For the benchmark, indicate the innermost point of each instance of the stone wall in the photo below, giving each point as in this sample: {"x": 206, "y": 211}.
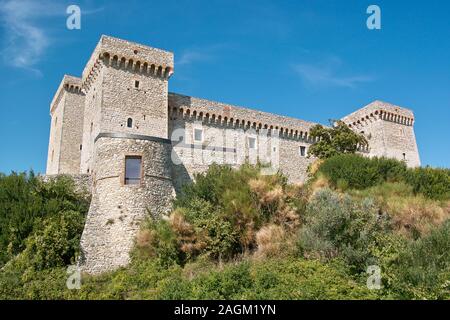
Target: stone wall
{"x": 66, "y": 111}
{"x": 117, "y": 209}
{"x": 226, "y": 133}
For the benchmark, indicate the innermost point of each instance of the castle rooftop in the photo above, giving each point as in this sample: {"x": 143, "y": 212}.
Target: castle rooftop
{"x": 128, "y": 51}
{"x": 68, "y": 82}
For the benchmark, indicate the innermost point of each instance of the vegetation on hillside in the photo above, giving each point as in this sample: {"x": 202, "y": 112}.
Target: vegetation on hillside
{"x": 238, "y": 234}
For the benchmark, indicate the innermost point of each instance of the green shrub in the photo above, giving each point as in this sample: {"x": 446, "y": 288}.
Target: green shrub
{"x": 358, "y": 172}
{"x": 433, "y": 183}
{"x": 56, "y": 241}
{"x": 422, "y": 270}
{"x": 339, "y": 226}
{"x": 348, "y": 171}
{"x": 25, "y": 200}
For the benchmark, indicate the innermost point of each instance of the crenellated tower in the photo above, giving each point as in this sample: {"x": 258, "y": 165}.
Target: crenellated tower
{"x": 389, "y": 130}
{"x": 125, "y": 147}
{"x": 66, "y": 130}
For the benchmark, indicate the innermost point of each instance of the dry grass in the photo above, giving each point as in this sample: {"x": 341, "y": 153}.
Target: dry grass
{"x": 269, "y": 240}
{"x": 189, "y": 241}
{"x": 319, "y": 183}
{"x": 415, "y": 215}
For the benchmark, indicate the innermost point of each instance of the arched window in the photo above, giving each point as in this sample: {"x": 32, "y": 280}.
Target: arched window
{"x": 129, "y": 123}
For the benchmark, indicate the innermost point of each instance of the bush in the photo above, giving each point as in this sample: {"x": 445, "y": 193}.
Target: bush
{"x": 358, "y": 172}
{"x": 221, "y": 212}
{"x": 433, "y": 183}
{"x": 411, "y": 215}
{"x": 422, "y": 270}
{"x": 25, "y": 200}
{"x": 339, "y": 226}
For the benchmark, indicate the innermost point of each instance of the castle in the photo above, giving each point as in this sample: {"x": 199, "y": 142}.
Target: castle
{"x": 137, "y": 143}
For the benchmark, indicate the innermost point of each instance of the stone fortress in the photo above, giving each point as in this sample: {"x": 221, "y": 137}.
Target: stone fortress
{"x": 119, "y": 127}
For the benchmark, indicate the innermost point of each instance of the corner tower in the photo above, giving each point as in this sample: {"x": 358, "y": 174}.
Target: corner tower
{"x": 66, "y": 112}
{"x": 125, "y": 147}
{"x": 389, "y": 130}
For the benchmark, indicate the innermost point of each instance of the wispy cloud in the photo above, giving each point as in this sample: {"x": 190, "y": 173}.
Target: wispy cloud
{"x": 326, "y": 74}
{"x": 26, "y": 37}
{"x": 200, "y": 54}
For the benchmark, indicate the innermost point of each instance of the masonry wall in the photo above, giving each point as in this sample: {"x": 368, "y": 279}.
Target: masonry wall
{"x": 226, "y": 139}
{"x": 116, "y": 209}
{"x": 146, "y": 105}
{"x": 72, "y": 132}
{"x": 389, "y": 130}
{"x": 92, "y": 119}
{"x": 54, "y": 144}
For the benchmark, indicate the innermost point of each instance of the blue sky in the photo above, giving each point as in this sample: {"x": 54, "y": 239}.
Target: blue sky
{"x": 312, "y": 60}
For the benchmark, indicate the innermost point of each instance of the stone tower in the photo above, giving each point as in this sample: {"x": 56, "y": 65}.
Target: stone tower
{"x": 125, "y": 147}
{"x": 64, "y": 148}
{"x": 389, "y": 130}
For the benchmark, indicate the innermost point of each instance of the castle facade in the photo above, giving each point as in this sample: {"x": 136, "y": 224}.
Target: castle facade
{"x": 138, "y": 144}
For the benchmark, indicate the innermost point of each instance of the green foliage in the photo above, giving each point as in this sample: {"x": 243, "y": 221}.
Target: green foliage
{"x": 55, "y": 243}
{"x": 339, "y": 226}
{"x": 358, "y": 172}
{"x": 431, "y": 182}
{"x": 25, "y": 200}
{"x": 337, "y": 139}
{"x": 212, "y": 244}
{"x": 158, "y": 240}
{"x": 422, "y": 270}
{"x": 221, "y": 212}
{"x": 289, "y": 278}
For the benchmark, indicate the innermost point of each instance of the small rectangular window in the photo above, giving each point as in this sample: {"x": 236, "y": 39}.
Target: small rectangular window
{"x": 251, "y": 143}
{"x": 198, "y": 135}
{"x": 303, "y": 151}
{"x": 136, "y": 84}
{"x": 133, "y": 169}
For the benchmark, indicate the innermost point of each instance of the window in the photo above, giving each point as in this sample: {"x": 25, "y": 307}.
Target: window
{"x": 251, "y": 143}
{"x": 302, "y": 151}
{"x": 198, "y": 134}
{"x": 81, "y": 147}
{"x": 136, "y": 84}
{"x": 129, "y": 123}
{"x": 133, "y": 169}
{"x": 404, "y": 156}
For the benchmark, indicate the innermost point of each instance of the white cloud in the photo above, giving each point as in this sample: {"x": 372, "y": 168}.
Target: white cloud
{"x": 191, "y": 56}
{"x": 25, "y": 40}
{"x": 200, "y": 54}
{"x": 26, "y": 37}
{"x": 326, "y": 74}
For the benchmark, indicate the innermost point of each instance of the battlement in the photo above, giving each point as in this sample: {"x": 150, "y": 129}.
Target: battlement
{"x": 128, "y": 55}
{"x": 68, "y": 83}
{"x": 234, "y": 116}
{"x": 379, "y": 110}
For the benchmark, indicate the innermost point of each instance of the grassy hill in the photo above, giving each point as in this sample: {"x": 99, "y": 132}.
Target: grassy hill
{"x": 237, "y": 234}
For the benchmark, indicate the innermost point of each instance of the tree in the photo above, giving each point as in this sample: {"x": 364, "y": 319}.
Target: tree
{"x": 336, "y": 139}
